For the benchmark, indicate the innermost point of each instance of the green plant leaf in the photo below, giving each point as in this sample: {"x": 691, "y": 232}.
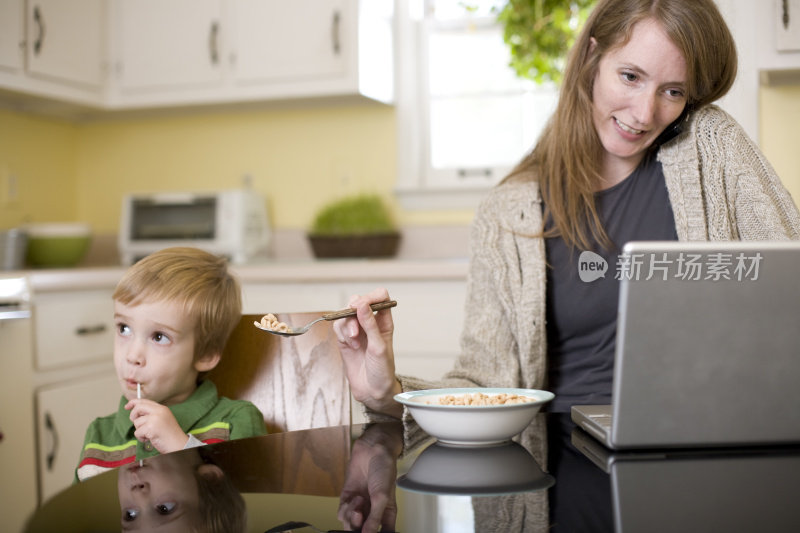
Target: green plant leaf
{"x": 539, "y": 33}
{"x": 353, "y": 215}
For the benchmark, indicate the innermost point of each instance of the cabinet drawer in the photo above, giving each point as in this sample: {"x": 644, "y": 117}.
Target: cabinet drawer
{"x": 73, "y": 327}
{"x": 64, "y": 412}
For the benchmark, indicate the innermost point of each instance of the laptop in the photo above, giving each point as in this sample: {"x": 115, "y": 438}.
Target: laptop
{"x": 707, "y": 349}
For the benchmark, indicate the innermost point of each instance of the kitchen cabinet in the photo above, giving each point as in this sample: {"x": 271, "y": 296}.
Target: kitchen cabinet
{"x": 168, "y": 46}
{"x": 778, "y": 38}
{"x": 64, "y": 411}
{"x": 277, "y": 41}
{"x": 74, "y": 379}
{"x": 109, "y": 55}
{"x": 73, "y": 327}
{"x": 54, "y": 49}
{"x": 17, "y": 459}
{"x": 229, "y": 51}
{"x": 66, "y": 40}
{"x": 311, "y": 48}
{"x": 11, "y": 35}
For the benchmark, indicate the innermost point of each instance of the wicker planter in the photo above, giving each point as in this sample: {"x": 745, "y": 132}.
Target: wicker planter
{"x": 375, "y": 245}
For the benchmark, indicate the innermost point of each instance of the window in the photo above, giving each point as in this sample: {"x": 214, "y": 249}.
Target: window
{"x": 464, "y": 117}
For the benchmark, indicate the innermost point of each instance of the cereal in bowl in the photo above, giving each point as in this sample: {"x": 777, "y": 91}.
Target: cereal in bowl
{"x": 479, "y": 398}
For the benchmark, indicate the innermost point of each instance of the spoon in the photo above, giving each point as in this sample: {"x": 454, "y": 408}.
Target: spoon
{"x": 333, "y": 315}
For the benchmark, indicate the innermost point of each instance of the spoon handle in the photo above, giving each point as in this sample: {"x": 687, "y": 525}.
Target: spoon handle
{"x": 336, "y": 315}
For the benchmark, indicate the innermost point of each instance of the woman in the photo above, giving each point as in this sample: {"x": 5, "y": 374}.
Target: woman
{"x": 634, "y": 151}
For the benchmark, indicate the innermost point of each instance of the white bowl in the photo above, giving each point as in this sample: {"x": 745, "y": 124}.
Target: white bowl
{"x": 470, "y": 425}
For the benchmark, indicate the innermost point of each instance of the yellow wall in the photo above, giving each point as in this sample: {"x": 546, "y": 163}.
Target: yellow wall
{"x": 39, "y": 154}
{"x": 299, "y": 159}
{"x": 780, "y": 116}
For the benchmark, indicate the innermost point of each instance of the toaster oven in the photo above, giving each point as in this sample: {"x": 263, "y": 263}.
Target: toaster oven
{"x": 232, "y": 223}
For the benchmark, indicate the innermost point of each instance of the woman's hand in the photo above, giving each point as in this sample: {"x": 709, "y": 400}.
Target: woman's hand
{"x": 156, "y": 423}
{"x": 365, "y": 342}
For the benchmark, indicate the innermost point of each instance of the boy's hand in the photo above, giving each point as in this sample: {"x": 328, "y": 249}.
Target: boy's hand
{"x": 155, "y": 422}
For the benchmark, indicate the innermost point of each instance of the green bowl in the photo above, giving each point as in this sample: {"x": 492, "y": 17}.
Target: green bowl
{"x": 57, "y": 245}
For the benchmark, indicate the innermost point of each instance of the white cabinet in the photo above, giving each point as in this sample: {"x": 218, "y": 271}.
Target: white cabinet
{"x": 74, "y": 377}
{"x": 54, "y": 49}
{"x": 132, "y": 54}
{"x": 228, "y": 51}
{"x": 66, "y": 40}
{"x": 282, "y": 297}
{"x": 778, "y": 37}
{"x": 168, "y": 45}
{"x": 282, "y": 41}
{"x": 73, "y": 327}
{"x": 11, "y": 35}
{"x": 64, "y": 411}
{"x": 17, "y": 460}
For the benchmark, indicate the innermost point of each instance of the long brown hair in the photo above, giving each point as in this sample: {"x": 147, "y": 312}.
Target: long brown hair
{"x": 566, "y": 159}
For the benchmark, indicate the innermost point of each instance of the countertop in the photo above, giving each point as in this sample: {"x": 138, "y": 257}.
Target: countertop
{"x": 44, "y": 280}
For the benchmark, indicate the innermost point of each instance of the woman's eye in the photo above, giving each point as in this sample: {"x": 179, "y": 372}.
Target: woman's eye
{"x": 129, "y": 515}
{"x": 629, "y": 76}
{"x": 675, "y": 93}
{"x": 165, "y": 508}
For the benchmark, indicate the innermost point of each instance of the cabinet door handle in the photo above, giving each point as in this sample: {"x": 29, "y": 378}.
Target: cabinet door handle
{"x": 90, "y": 330}
{"x": 335, "y": 24}
{"x": 51, "y": 427}
{"x": 213, "y": 43}
{"x": 785, "y": 17}
{"x": 39, "y": 20}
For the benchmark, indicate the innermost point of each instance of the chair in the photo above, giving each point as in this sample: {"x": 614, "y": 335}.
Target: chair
{"x": 296, "y": 382}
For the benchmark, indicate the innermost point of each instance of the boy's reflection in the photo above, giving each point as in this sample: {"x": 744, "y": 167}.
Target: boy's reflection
{"x": 179, "y": 492}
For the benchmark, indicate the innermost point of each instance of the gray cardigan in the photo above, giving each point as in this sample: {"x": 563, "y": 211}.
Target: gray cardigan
{"x": 721, "y": 188}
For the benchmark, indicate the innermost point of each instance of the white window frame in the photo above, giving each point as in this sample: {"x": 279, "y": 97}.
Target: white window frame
{"x": 419, "y": 186}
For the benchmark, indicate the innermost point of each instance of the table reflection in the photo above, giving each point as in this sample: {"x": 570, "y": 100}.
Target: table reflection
{"x": 503, "y": 469}
{"x": 366, "y": 478}
{"x": 179, "y": 492}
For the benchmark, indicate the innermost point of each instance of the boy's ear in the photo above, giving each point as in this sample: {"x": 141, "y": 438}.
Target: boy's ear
{"x": 207, "y": 362}
{"x": 210, "y": 472}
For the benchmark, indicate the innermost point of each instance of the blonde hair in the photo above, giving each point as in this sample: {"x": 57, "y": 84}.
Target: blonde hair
{"x": 566, "y": 159}
{"x": 198, "y": 281}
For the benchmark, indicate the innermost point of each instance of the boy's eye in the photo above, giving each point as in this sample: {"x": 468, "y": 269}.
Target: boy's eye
{"x": 160, "y": 338}
{"x": 123, "y": 330}
{"x": 129, "y": 515}
{"x": 165, "y": 508}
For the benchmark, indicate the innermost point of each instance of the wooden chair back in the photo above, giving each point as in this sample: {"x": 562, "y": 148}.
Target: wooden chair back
{"x": 296, "y": 382}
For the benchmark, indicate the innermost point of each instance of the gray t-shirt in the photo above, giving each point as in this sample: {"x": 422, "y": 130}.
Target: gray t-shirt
{"x": 582, "y": 310}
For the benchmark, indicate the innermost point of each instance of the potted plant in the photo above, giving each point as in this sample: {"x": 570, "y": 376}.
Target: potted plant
{"x": 354, "y": 226}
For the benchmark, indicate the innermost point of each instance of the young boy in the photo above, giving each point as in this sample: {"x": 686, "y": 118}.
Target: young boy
{"x": 174, "y": 311}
